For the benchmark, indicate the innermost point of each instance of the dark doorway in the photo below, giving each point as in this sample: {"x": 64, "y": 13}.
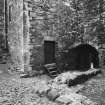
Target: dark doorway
{"x": 80, "y": 57}
{"x": 6, "y": 26}
{"x": 3, "y": 32}
{"x": 49, "y": 52}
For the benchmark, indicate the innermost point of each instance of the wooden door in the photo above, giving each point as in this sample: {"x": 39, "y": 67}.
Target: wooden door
{"x": 49, "y": 52}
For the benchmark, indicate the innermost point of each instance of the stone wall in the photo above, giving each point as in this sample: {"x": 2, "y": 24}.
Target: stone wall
{"x": 40, "y": 21}
{"x": 39, "y": 29}
{"x": 26, "y": 47}
{"x": 26, "y": 37}
{"x": 15, "y": 34}
{"x": 36, "y": 37}
{"x": 31, "y": 22}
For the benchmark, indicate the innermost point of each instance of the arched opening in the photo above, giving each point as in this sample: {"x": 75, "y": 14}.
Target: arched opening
{"x": 82, "y": 57}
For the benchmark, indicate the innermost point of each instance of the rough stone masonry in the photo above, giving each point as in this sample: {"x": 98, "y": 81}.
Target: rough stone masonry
{"x": 25, "y": 19}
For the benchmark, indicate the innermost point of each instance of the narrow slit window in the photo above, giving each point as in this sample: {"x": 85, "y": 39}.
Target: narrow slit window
{"x": 10, "y": 13}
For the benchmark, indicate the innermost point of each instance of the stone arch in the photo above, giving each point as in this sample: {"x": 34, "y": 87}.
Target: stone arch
{"x": 81, "y": 56}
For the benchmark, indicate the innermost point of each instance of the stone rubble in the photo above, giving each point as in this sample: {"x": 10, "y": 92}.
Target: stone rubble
{"x": 64, "y": 77}
{"x": 59, "y": 92}
{"x": 17, "y": 92}
{"x": 39, "y": 91}
{"x": 53, "y": 94}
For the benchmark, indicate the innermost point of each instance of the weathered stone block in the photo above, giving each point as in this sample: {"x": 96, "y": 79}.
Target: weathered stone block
{"x": 63, "y": 100}
{"x": 70, "y": 98}
{"x": 32, "y": 14}
{"x": 53, "y": 94}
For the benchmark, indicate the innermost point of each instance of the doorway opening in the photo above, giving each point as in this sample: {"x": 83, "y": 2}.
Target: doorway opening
{"x": 49, "y": 51}
{"x": 81, "y": 57}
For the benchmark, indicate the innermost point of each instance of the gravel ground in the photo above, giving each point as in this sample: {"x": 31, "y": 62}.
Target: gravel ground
{"x": 16, "y": 91}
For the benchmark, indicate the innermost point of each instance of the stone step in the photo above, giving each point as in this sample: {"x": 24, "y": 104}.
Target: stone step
{"x": 52, "y": 69}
